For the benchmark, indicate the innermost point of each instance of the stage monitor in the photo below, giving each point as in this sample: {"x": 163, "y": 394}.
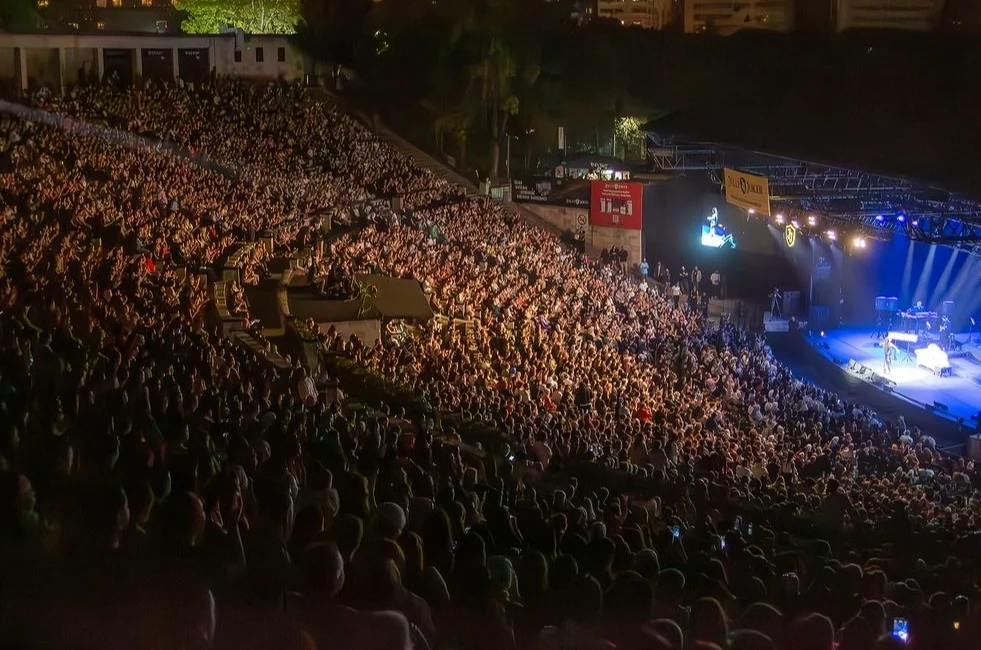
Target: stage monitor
{"x": 714, "y": 234}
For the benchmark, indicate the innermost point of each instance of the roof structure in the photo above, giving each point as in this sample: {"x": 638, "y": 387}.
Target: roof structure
{"x": 860, "y": 169}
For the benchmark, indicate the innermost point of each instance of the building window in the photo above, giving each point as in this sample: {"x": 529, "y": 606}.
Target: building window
{"x": 116, "y": 3}
{"x": 238, "y": 56}
{"x": 100, "y": 3}
{"x": 260, "y": 56}
{"x": 100, "y": 25}
{"x": 147, "y": 3}
{"x": 281, "y": 54}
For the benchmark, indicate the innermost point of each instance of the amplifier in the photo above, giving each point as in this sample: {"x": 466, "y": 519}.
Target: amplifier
{"x": 974, "y": 447}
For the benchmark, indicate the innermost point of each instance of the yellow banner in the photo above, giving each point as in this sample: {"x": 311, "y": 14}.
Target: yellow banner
{"x": 747, "y": 191}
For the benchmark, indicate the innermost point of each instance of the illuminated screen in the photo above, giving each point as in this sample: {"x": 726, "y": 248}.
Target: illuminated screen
{"x": 900, "y": 629}
{"x": 714, "y": 234}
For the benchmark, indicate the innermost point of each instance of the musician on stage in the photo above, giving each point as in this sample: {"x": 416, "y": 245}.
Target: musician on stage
{"x": 917, "y": 308}
{"x": 946, "y": 336}
{"x": 888, "y": 351}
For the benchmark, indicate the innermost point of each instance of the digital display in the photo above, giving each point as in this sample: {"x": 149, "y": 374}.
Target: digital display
{"x": 714, "y": 233}
{"x": 900, "y": 629}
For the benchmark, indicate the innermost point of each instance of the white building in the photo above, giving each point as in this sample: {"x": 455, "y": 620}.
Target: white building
{"x": 729, "y": 16}
{"x": 915, "y": 15}
{"x": 58, "y": 61}
{"x": 650, "y": 14}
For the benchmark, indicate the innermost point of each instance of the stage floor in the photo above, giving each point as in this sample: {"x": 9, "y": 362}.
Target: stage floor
{"x": 960, "y": 392}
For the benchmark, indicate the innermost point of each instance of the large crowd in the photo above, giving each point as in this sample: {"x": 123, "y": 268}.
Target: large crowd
{"x": 643, "y": 479}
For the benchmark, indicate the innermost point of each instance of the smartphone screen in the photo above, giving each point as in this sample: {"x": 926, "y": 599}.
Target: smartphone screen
{"x": 676, "y": 531}
{"x": 900, "y": 629}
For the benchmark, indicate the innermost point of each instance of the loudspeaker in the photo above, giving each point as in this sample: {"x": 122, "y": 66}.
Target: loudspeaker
{"x": 974, "y": 447}
{"x": 818, "y": 317}
{"x": 881, "y": 381}
{"x": 791, "y": 303}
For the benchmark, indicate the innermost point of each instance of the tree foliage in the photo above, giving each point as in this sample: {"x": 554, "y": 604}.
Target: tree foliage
{"x": 18, "y": 15}
{"x": 252, "y": 16}
{"x": 336, "y": 30}
{"x": 485, "y": 76}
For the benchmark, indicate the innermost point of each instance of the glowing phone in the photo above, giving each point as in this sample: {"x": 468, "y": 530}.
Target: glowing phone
{"x": 900, "y": 629}
{"x": 676, "y": 531}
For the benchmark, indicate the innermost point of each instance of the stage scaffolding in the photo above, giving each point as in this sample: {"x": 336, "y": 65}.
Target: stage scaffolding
{"x": 921, "y": 212}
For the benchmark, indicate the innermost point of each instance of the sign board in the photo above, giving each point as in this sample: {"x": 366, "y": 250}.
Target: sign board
{"x": 790, "y": 235}
{"x": 616, "y": 204}
{"x": 747, "y": 191}
{"x": 531, "y": 191}
{"x": 550, "y": 191}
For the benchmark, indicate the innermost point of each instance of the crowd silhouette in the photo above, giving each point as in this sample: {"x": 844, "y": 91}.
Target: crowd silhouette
{"x": 643, "y": 479}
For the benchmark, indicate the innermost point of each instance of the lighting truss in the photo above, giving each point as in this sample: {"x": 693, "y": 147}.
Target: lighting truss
{"x": 941, "y": 230}
{"x": 681, "y": 159}
{"x": 876, "y": 202}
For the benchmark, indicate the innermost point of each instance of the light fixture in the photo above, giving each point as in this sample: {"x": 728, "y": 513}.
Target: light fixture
{"x": 752, "y": 210}
{"x": 916, "y": 222}
{"x": 860, "y": 242}
{"x": 879, "y": 218}
{"x": 901, "y": 218}
{"x": 812, "y": 220}
{"x": 780, "y": 218}
{"x": 832, "y": 235}
{"x": 795, "y": 223}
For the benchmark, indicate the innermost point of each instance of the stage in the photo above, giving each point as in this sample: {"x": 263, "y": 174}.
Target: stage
{"x": 960, "y": 392}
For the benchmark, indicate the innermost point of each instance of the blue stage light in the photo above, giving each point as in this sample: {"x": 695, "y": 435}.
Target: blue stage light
{"x": 879, "y": 217}
{"x": 901, "y": 218}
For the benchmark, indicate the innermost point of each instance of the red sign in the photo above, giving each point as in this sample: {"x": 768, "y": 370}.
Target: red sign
{"x": 615, "y": 204}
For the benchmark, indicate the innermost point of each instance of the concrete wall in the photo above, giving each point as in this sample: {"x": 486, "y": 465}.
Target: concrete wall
{"x": 914, "y": 15}
{"x": 368, "y": 331}
{"x": 43, "y": 52}
{"x": 75, "y": 60}
{"x": 725, "y": 17}
{"x": 596, "y": 238}
{"x": 269, "y": 68}
{"x": 43, "y": 68}
{"x": 8, "y": 62}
